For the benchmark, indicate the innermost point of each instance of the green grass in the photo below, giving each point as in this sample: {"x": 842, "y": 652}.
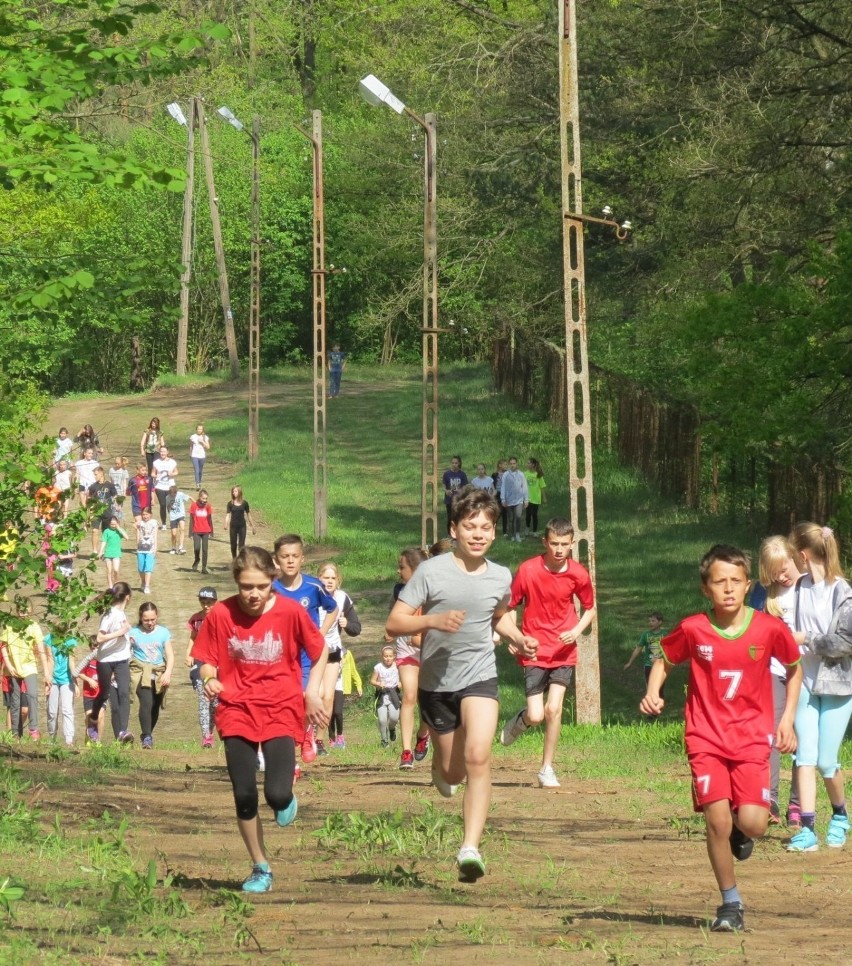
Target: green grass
{"x": 647, "y": 548}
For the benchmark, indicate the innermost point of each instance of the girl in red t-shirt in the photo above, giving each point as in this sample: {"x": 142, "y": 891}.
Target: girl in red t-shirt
{"x": 201, "y": 528}
{"x": 249, "y": 648}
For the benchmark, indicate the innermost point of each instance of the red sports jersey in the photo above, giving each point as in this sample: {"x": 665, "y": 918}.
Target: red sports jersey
{"x": 729, "y": 710}
{"x": 549, "y": 608}
{"x": 258, "y": 664}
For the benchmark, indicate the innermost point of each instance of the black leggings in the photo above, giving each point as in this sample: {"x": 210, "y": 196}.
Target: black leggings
{"x": 335, "y": 724}
{"x": 199, "y": 548}
{"x": 532, "y": 516}
{"x": 238, "y": 539}
{"x": 121, "y": 670}
{"x": 150, "y": 702}
{"x": 161, "y": 499}
{"x": 241, "y": 758}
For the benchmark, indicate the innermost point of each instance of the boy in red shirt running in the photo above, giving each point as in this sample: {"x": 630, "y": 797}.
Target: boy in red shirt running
{"x": 547, "y": 586}
{"x": 729, "y": 714}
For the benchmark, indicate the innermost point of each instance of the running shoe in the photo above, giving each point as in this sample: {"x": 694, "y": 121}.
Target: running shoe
{"x": 393, "y": 734}
{"x": 794, "y": 818}
{"x": 471, "y": 866}
{"x": 181, "y": 551}
{"x": 35, "y": 735}
{"x": 835, "y": 837}
{"x": 297, "y": 773}
{"x": 547, "y": 778}
{"x": 513, "y": 729}
{"x": 163, "y": 527}
{"x": 147, "y": 742}
{"x": 774, "y": 814}
{"x": 444, "y": 787}
{"x": 741, "y": 845}
{"x": 803, "y": 841}
{"x": 385, "y": 742}
{"x": 194, "y": 566}
{"x": 207, "y": 741}
{"x": 322, "y": 751}
{"x": 173, "y": 551}
{"x": 340, "y": 742}
{"x": 729, "y": 918}
{"x": 309, "y": 748}
{"x": 406, "y": 760}
{"x": 285, "y": 816}
{"x": 260, "y": 879}
{"x": 125, "y": 737}
{"x": 421, "y": 748}
{"x": 92, "y": 736}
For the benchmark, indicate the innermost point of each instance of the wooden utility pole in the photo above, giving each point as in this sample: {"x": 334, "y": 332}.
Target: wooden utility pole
{"x": 224, "y": 292}
{"x": 318, "y": 273}
{"x": 186, "y": 242}
{"x": 580, "y": 483}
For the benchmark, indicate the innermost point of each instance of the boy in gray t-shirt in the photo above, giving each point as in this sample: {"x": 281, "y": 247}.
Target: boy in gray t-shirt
{"x": 457, "y": 601}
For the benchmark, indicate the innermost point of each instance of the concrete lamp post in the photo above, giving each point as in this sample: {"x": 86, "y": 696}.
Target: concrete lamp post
{"x": 376, "y": 93}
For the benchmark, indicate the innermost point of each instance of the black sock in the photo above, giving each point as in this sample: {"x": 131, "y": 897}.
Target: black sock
{"x": 808, "y": 820}
{"x": 839, "y": 809}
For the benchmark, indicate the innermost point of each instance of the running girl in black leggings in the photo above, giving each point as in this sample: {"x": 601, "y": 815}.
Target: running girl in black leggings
{"x": 249, "y": 648}
{"x": 237, "y": 514}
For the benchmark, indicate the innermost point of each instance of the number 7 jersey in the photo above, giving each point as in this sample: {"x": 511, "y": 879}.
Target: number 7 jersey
{"x": 729, "y": 710}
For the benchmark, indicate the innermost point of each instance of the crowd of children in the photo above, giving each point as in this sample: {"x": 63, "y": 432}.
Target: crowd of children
{"x": 770, "y": 664}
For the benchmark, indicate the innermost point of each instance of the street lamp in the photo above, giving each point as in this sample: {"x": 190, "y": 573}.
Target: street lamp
{"x": 318, "y": 274}
{"x": 254, "y": 310}
{"x": 376, "y": 93}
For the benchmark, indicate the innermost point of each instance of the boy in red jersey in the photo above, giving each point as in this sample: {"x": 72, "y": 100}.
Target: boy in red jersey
{"x": 729, "y": 714}
{"x": 547, "y": 585}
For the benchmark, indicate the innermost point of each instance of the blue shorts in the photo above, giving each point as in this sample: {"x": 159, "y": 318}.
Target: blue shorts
{"x": 145, "y": 562}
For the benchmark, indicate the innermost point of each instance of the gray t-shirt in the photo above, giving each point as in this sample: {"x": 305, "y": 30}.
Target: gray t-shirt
{"x": 451, "y": 662}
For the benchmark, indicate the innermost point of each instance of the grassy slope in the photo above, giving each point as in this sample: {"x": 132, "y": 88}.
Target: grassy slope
{"x": 648, "y": 549}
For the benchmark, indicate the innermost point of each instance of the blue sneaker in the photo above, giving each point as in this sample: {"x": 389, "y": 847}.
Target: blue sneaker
{"x": 260, "y": 879}
{"x": 285, "y": 816}
{"x": 804, "y": 841}
{"x": 835, "y": 837}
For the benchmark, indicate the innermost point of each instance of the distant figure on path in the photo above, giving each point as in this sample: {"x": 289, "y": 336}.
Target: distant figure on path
{"x": 453, "y": 479}
{"x": 151, "y": 442}
{"x": 336, "y": 365}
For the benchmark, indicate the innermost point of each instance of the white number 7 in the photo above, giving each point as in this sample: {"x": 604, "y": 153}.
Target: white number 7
{"x": 734, "y": 677}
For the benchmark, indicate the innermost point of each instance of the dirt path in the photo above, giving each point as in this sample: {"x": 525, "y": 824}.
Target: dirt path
{"x": 600, "y": 871}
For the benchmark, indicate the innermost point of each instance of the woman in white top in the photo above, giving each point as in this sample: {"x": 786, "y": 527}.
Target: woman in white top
{"x": 200, "y": 443}
{"x": 150, "y": 443}
{"x": 113, "y": 662}
{"x": 823, "y": 713}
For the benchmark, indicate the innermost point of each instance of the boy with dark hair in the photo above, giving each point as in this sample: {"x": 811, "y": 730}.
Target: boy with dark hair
{"x": 649, "y": 645}
{"x": 729, "y": 714}
{"x": 547, "y": 585}
{"x": 456, "y": 601}
{"x": 309, "y": 592}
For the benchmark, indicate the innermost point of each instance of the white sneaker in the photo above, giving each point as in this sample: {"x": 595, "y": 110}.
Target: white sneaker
{"x": 513, "y": 729}
{"x": 261, "y": 761}
{"x": 547, "y": 778}
{"x": 444, "y": 787}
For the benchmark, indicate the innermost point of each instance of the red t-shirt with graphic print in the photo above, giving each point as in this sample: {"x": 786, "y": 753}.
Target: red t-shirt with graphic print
{"x": 258, "y": 664}
{"x": 729, "y": 709}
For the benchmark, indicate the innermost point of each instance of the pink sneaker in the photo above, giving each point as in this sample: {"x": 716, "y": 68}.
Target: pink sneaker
{"x": 35, "y": 735}
{"x": 309, "y": 748}
{"x": 297, "y": 773}
{"x": 207, "y": 741}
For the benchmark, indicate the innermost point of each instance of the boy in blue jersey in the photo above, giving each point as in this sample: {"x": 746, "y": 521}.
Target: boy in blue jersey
{"x": 309, "y": 592}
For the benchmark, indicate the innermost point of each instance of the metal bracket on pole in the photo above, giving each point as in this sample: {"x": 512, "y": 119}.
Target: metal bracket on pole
{"x": 579, "y": 426}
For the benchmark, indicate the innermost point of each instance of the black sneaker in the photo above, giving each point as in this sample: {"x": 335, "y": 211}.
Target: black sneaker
{"x": 393, "y": 734}
{"x": 729, "y": 918}
{"x": 741, "y": 845}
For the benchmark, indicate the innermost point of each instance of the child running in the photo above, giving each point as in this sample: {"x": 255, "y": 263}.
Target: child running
{"x": 249, "y": 647}
{"x": 207, "y": 597}
{"x": 649, "y": 645}
{"x": 547, "y": 586}
{"x": 151, "y": 663}
{"x": 60, "y": 699}
{"x": 408, "y": 662}
{"x": 823, "y": 614}
{"x": 348, "y": 621}
{"x": 309, "y": 592}
{"x": 464, "y": 599}
{"x": 146, "y": 548}
{"x": 110, "y": 550}
{"x": 113, "y": 661}
{"x": 385, "y": 679}
{"x": 776, "y": 594}
{"x": 729, "y": 714}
